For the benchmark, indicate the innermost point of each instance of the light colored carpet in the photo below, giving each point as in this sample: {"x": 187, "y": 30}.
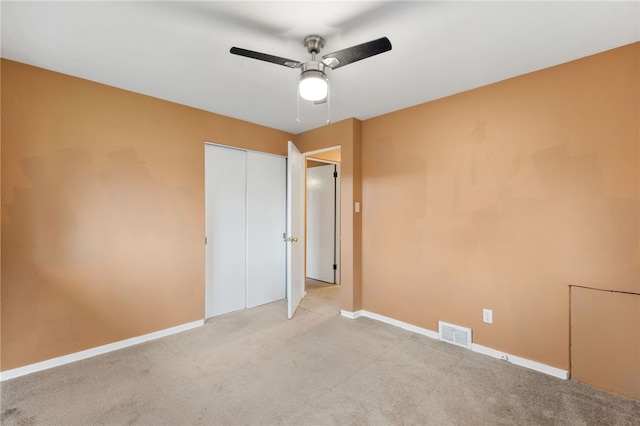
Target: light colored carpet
{"x": 255, "y": 367}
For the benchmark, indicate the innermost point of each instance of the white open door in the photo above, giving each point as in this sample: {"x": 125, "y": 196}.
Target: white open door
{"x": 295, "y": 229}
{"x": 321, "y": 223}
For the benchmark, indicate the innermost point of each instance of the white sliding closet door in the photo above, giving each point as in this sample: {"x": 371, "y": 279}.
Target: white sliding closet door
{"x": 225, "y": 208}
{"x": 245, "y": 205}
{"x": 266, "y": 222}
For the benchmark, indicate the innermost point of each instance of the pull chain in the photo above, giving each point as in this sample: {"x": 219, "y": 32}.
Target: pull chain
{"x": 298, "y": 117}
{"x": 328, "y": 102}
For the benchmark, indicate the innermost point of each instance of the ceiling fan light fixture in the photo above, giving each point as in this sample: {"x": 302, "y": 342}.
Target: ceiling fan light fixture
{"x": 313, "y": 85}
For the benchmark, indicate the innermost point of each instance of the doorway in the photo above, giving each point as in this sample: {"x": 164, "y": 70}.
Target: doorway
{"x": 323, "y": 216}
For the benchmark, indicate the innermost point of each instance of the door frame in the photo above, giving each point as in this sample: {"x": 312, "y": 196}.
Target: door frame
{"x": 338, "y": 240}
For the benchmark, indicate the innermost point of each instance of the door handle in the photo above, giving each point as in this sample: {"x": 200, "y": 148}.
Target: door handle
{"x": 289, "y": 239}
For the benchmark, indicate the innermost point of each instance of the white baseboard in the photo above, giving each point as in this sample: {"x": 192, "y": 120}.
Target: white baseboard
{"x": 77, "y": 356}
{"x": 401, "y": 324}
{"x": 522, "y": 362}
{"x": 350, "y": 315}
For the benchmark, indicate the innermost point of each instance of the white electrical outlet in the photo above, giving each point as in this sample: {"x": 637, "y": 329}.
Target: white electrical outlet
{"x": 487, "y": 316}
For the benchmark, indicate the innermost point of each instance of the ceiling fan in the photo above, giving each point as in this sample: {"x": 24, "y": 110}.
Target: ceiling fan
{"x": 314, "y": 83}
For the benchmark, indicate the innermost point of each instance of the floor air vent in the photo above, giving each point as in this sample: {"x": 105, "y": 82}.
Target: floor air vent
{"x": 455, "y": 334}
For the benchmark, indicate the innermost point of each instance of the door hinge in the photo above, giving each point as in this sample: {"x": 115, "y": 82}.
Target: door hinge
{"x": 205, "y": 241}
{"x": 335, "y": 174}
{"x": 335, "y": 267}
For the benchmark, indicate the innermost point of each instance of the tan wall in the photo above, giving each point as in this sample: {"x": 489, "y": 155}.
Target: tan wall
{"x": 605, "y": 340}
{"x": 345, "y": 133}
{"x": 503, "y": 196}
{"x": 102, "y": 211}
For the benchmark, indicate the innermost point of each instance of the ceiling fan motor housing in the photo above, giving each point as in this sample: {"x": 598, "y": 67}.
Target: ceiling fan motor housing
{"x": 312, "y": 66}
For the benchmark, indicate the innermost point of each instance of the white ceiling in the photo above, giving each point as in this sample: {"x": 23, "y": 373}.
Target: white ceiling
{"x": 179, "y": 50}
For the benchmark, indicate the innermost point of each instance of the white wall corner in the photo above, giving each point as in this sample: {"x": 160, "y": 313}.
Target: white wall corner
{"x": 77, "y": 356}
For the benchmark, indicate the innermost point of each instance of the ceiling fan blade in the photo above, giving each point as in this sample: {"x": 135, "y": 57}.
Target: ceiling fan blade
{"x": 264, "y": 57}
{"x": 355, "y": 53}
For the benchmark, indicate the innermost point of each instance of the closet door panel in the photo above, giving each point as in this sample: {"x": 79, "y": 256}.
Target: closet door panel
{"x": 266, "y": 214}
{"x": 225, "y": 207}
